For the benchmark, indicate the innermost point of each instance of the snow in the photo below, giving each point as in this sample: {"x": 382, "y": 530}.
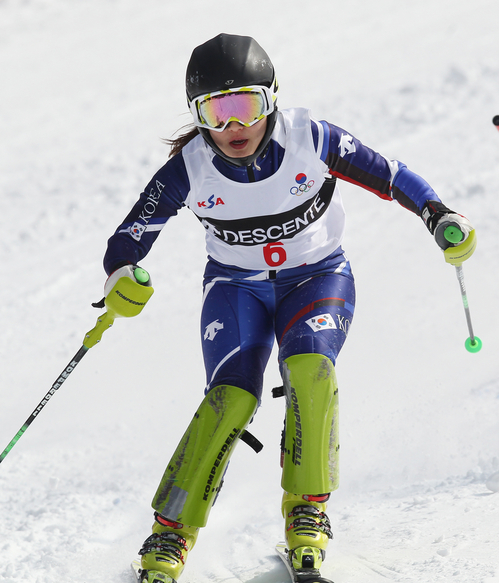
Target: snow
{"x": 88, "y": 89}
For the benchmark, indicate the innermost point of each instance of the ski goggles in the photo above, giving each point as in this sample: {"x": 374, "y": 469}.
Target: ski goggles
{"x": 245, "y": 105}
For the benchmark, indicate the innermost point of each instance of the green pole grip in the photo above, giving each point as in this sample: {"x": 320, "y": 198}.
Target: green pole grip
{"x": 453, "y": 234}
{"x": 141, "y": 275}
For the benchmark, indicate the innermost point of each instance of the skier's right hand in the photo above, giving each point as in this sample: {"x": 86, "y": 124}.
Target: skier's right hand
{"x": 127, "y": 290}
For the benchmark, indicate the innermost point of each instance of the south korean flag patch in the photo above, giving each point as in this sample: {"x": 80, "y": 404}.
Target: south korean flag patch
{"x": 136, "y": 230}
{"x": 322, "y": 322}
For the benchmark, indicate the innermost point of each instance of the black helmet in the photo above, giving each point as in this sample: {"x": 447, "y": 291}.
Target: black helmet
{"x": 231, "y": 61}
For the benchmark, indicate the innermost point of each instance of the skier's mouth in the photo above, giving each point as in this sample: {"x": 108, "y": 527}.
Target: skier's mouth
{"x": 238, "y": 144}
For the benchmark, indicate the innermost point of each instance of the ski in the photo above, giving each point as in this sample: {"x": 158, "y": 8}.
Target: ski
{"x": 300, "y": 575}
{"x": 297, "y": 576}
{"x": 158, "y": 577}
{"x": 137, "y": 570}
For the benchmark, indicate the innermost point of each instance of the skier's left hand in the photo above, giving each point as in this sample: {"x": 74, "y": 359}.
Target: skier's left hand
{"x": 453, "y": 232}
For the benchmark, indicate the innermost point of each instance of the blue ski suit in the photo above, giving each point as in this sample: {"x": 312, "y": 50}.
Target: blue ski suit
{"x": 276, "y": 269}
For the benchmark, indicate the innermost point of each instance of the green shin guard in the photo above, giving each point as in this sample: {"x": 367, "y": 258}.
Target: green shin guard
{"x": 311, "y": 446}
{"x": 194, "y": 474}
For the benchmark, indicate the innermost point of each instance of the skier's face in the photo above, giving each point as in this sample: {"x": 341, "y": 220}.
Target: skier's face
{"x": 238, "y": 141}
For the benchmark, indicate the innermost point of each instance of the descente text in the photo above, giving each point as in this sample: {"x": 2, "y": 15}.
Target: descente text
{"x": 260, "y": 231}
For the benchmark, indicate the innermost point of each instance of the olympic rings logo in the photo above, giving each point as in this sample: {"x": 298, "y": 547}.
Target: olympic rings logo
{"x": 303, "y": 185}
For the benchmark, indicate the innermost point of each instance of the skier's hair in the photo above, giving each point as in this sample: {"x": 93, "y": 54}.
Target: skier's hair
{"x": 176, "y": 144}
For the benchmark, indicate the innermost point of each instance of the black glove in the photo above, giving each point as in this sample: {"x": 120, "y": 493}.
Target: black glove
{"x": 438, "y": 218}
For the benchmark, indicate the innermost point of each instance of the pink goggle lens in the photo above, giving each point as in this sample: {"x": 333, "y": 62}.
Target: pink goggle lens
{"x": 245, "y": 107}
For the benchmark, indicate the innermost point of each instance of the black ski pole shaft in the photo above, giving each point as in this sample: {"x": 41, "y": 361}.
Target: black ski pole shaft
{"x": 57, "y": 384}
{"x": 91, "y": 339}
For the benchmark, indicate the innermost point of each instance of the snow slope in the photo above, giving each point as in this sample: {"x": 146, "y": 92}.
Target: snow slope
{"x": 87, "y": 91}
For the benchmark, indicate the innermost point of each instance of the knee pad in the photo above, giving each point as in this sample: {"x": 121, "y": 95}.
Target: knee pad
{"x": 311, "y": 444}
{"x": 194, "y": 475}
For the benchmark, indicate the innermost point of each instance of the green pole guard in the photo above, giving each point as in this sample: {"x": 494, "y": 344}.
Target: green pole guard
{"x": 457, "y": 255}
{"x": 128, "y": 297}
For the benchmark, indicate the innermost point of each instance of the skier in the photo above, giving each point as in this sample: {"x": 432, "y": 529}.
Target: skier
{"x": 263, "y": 183}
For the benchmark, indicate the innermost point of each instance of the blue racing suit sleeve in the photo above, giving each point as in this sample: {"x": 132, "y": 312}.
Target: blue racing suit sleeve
{"x": 162, "y": 198}
{"x": 348, "y": 159}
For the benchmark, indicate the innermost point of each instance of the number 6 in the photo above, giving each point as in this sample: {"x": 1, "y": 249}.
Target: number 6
{"x": 274, "y": 254}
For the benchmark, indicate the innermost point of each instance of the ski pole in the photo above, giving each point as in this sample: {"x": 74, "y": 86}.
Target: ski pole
{"x": 91, "y": 338}
{"x": 127, "y": 292}
{"x": 454, "y": 235}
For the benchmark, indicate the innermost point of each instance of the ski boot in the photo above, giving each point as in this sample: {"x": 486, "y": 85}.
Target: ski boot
{"x": 308, "y": 530}
{"x": 164, "y": 553}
